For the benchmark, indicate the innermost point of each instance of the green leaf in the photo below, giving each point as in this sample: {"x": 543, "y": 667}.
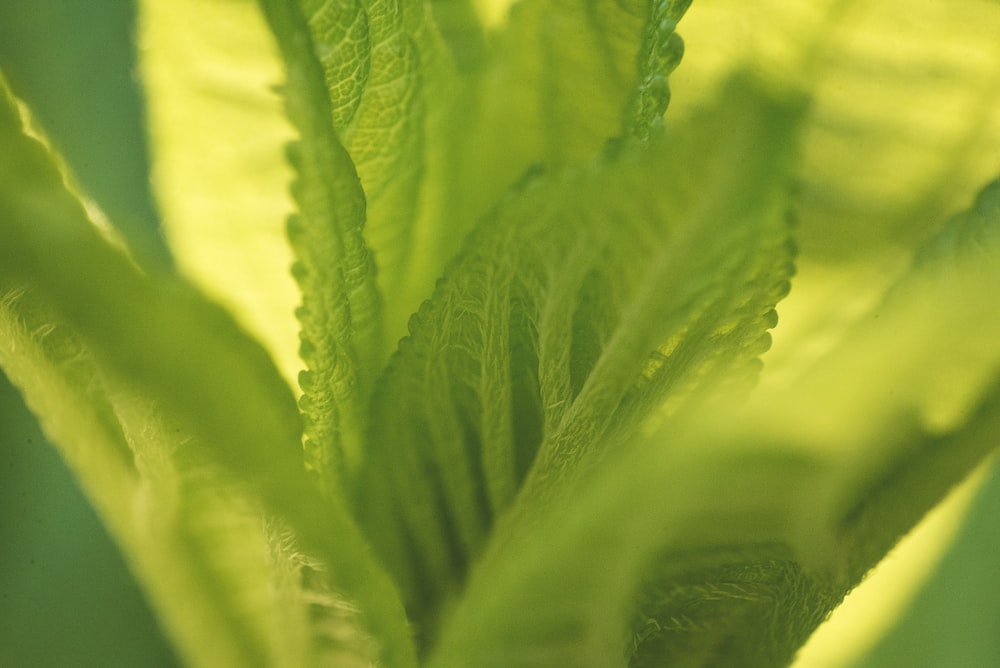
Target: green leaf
{"x": 218, "y": 133}
{"x": 207, "y": 606}
{"x": 923, "y": 418}
{"x": 461, "y": 27}
{"x": 156, "y": 340}
{"x": 422, "y": 105}
{"x": 560, "y": 79}
{"x": 726, "y": 538}
{"x": 84, "y": 53}
{"x": 919, "y": 393}
{"x": 341, "y": 312}
{"x": 904, "y": 129}
{"x": 165, "y": 513}
{"x": 590, "y": 297}
{"x": 390, "y": 83}
{"x": 564, "y": 591}
{"x": 402, "y": 96}
{"x": 584, "y": 64}
{"x": 53, "y": 254}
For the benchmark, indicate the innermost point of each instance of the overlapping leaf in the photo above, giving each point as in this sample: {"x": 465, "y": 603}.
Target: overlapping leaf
{"x": 439, "y": 124}
{"x": 176, "y": 361}
{"x": 904, "y": 129}
{"x": 924, "y": 418}
{"x": 784, "y": 518}
{"x": 210, "y": 602}
{"x": 392, "y": 88}
{"x": 589, "y": 297}
{"x": 559, "y": 80}
{"x": 414, "y": 104}
{"x": 600, "y": 291}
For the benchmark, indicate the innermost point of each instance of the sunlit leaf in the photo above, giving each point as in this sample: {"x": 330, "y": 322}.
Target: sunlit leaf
{"x": 587, "y": 300}
{"x": 218, "y": 134}
{"x": 161, "y": 344}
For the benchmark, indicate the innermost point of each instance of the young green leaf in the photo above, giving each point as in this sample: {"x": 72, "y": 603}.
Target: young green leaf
{"x": 217, "y": 132}
{"x": 564, "y": 592}
{"x": 209, "y": 602}
{"x": 422, "y": 107}
{"x": 728, "y": 536}
{"x": 391, "y": 85}
{"x": 156, "y": 339}
{"x": 560, "y": 79}
{"x": 588, "y": 298}
{"x": 341, "y": 312}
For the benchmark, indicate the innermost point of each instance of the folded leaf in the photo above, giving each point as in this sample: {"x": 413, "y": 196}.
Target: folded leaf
{"x": 422, "y": 105}
{"x": 588, "y": 298}
{"x": 341, "y": 313}
{"x": 391, "y": 86}
{"x": 565, "y": 591}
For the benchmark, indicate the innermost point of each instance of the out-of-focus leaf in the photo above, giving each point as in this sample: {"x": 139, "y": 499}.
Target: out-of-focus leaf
{"x": 49, "y": 536}
{"x": 218, "y": 134}
{"x": 904, "y": 128}
{"x": 128, "y": 477}
{"x": 951, "y": 620}
{"x": 60, "y": 51}
{"x": 175, "y": 362}
{"x": 905, "y": 124}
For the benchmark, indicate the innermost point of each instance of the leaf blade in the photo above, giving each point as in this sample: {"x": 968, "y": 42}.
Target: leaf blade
{"x": 341, "y": 312}
{"x": 452, "y": 443}
{"x": 218, "y": 170}
{"x": 160, "y": 339}
{"x": 776, "y": 516}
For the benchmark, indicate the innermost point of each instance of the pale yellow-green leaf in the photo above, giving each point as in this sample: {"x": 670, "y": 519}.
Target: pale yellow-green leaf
{"x": 217, "y": 130}
{"x": 905, "y": 128}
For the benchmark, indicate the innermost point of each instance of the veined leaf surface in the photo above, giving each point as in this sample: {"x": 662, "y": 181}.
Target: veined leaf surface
{"x": 589, "y": 297}
{"x": 218, "y": 134}
{"x": 784, "y": 518}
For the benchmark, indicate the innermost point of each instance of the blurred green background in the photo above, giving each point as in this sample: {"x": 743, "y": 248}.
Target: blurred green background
{"x": 66, "y": 597}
